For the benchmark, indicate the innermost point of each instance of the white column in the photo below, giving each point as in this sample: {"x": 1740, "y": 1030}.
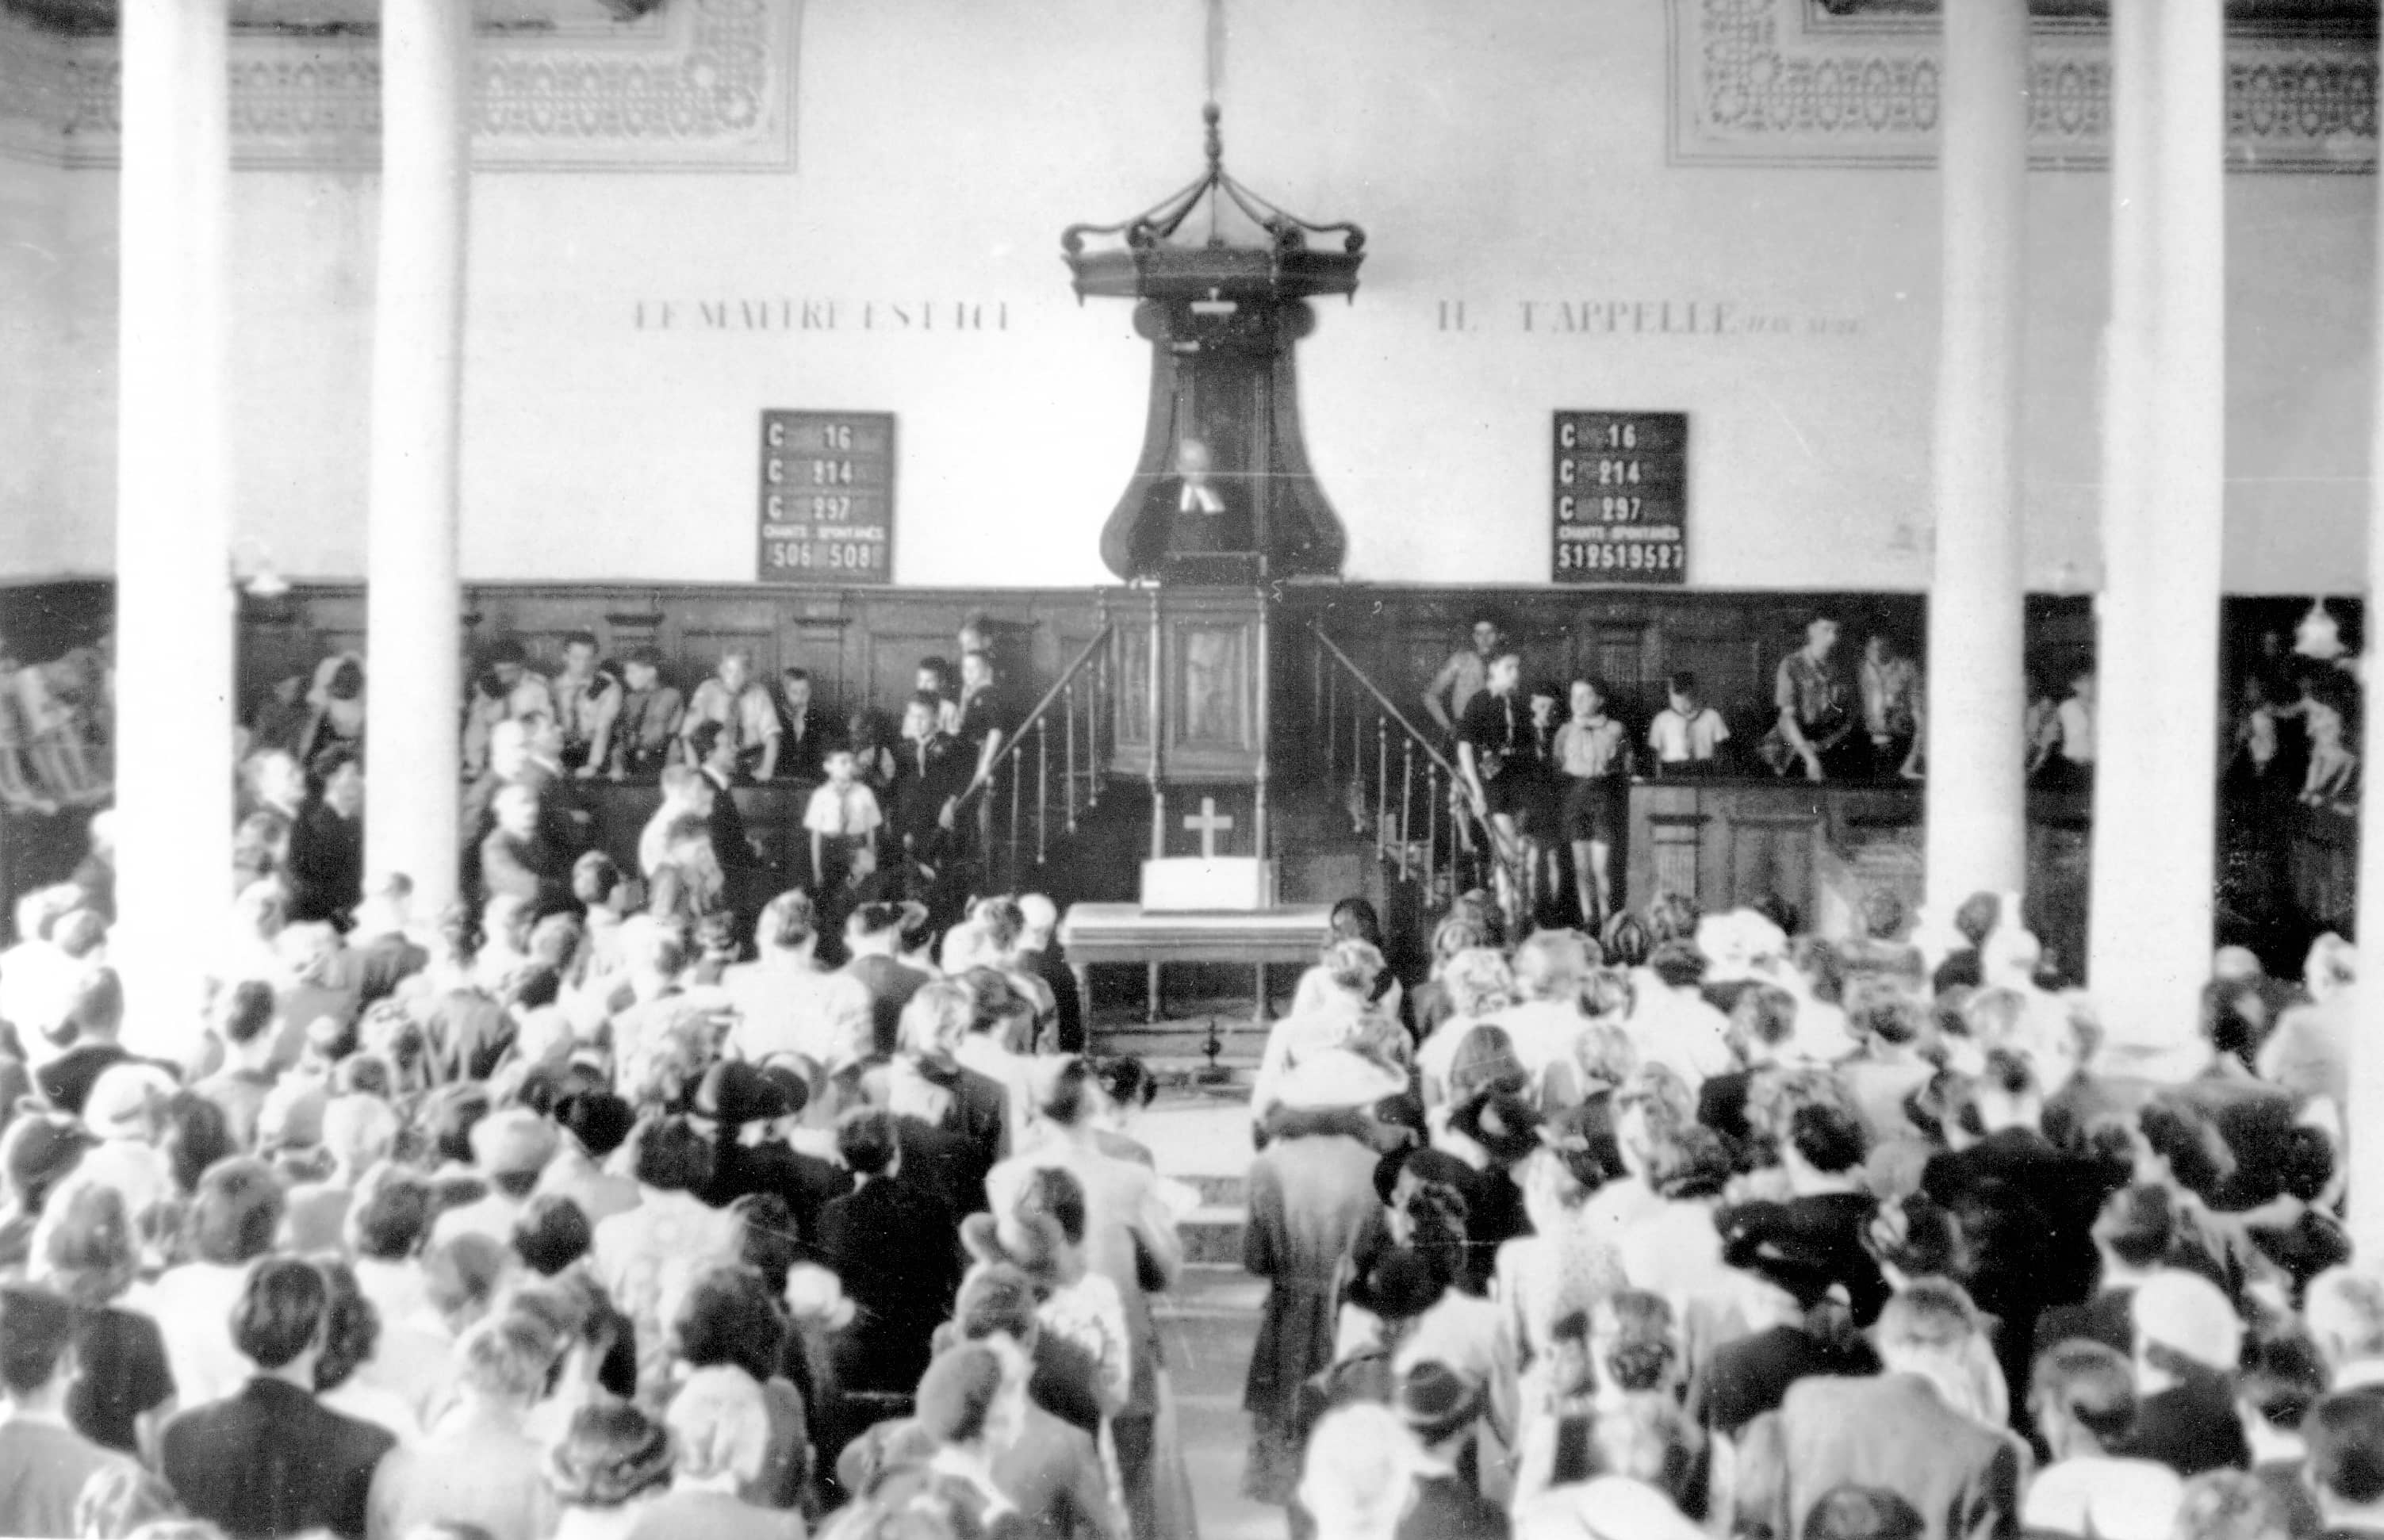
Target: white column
{"x": 173, "y": 514}
{"x": 2156, "y": 797}
{"x": 1976, "y": 796}
{"x": 413, "y": 598}
{"x": 2367, "y": 1109}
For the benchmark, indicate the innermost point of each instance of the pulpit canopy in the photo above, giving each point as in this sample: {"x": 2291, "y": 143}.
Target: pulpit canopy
{"x": 1152, "y": 265}
{"x": 1222, "y": 492}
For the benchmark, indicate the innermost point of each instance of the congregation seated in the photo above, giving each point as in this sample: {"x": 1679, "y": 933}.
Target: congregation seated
{"x": 601, "y": 1204}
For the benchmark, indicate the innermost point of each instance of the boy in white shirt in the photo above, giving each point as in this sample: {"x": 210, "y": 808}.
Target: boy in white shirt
{"x": 843, "y": 820}
{"x": 1687, "y": 733}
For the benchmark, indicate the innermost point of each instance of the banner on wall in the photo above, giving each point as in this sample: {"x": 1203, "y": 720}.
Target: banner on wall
{"x": 827, "y": 511}
{"x": 1622, "y": 498}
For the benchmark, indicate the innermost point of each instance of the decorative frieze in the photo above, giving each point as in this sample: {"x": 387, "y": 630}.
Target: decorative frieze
{"x": 1792, "y": 83}
{"x": 704, "y": 85}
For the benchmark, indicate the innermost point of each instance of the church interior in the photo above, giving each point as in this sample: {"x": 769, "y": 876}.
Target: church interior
{"x": 1156, "y": 403}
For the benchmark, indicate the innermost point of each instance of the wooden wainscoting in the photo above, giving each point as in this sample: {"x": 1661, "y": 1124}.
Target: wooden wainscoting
{"x": 862, "y": 648}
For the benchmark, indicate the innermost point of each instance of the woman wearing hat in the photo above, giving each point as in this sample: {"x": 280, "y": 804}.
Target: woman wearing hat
{"x": 1387, "y": 1296}
{"x": 1333, "y": 1008}
{"x": 1477, "y": 984}
{"x": 1311, "y": 1190}
{"x": 1129, "y": 1238}
{"x": 971, "y": 1403}
{"x": 1042, "y": 1234}
{"x": 606, "y": 1470}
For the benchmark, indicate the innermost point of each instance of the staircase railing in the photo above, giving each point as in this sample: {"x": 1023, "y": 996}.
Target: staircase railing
{"x": 1047, "y": 785}
{"x": 1389, "y": 789}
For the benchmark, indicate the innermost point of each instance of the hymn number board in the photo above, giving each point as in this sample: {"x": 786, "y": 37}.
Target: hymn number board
{"x": 1621, "y": 497}
{"x": 828, "y": 497}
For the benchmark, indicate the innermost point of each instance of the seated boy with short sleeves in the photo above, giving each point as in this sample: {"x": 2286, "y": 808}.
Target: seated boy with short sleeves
{"x": 1687, "y": 735}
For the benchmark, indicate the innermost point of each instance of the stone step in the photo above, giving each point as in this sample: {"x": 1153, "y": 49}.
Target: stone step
{"x": 1184, "y": 1035}
{"x": 1224, "y": 1190}
{"x": 1206, "y": 1326}
{"x": 1196, "y": 1078}
{"x": 1212, "y": 1235}
{"x": 1206, "y": 1290}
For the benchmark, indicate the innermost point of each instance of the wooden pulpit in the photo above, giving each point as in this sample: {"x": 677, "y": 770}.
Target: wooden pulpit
{"x": 1194, "y": 713}
{"x": 1220, "y": 509}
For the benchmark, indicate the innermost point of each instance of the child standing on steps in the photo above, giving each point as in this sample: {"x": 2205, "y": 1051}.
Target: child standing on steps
{"x": 843, "y": 819}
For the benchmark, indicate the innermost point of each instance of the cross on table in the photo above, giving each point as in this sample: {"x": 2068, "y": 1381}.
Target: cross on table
{"x": 1208, "y": 825}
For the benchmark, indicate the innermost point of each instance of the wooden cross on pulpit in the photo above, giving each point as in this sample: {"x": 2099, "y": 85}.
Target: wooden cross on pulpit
{"x": 1209, "y": 824}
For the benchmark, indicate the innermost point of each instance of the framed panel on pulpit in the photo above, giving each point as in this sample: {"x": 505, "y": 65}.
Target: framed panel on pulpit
{"x": 1213, "y": 687}
{"x": 1210, "y": 670}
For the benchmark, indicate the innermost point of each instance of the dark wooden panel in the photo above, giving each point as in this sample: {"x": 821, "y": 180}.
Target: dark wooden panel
{"x": 1824, "y": 849}
{"x": 896, "y": 645}
{"x": 1762, "y": 846}
{"x": 38, "y": 621}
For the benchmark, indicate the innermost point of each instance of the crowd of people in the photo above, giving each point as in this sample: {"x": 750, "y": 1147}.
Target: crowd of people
{"x": 882, "y": 819}
{"x": 1542, "y": 761}
{"x": 607, "y": 1205}
{"x": 583, "y": 1224}
{"x": 1697, "y": 1226}
{"x": 622, "y": 719}
{"x": 601, "y": 1222}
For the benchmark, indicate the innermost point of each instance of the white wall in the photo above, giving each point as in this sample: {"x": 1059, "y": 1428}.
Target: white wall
{"x": 1504, "y": 151}
{"x": 38, "y": 531}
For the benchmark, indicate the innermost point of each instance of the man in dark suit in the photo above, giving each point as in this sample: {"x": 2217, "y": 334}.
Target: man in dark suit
{"x": 806, "y": 734}
{"x": 2027, "y": 1208}
{"x": 2133, "y": 1235}
{"x": 717, "y": 762}
{"x": 272, "y": 1460}
{"x": 1191, "y": 514}
{"x": 893, "y": 1245}
{"x": 740, "y": 859}
{"x": 1895, "y": 1430}
{"x": 326, "y": 865}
